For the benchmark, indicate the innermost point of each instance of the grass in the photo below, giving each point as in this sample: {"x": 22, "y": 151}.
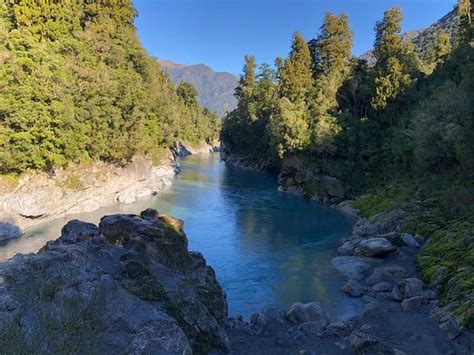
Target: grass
{"x": 66, "y": 325}
{"x": 9, "y": 182}
{"x": 72, "y": 182}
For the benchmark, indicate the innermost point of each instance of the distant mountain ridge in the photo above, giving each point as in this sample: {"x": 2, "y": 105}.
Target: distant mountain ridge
{"x": 216, "y": 89}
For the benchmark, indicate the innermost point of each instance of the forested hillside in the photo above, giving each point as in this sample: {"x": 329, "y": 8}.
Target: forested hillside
{"x": 215, "y": 90}
{"x": 76, "y": 85}
{"x": 399, "y": 133}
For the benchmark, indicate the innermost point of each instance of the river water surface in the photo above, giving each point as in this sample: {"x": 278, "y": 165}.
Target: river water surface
{"x": 268, "y": 248}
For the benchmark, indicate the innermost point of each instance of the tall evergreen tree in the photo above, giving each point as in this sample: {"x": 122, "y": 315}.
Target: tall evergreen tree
{"x": 392, "y": 71}
{"x": 331, "y": 53}
{"x": 296, "y": 79}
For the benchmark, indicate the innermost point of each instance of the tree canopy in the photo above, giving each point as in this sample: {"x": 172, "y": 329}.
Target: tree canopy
{"x": 75, "y": 85}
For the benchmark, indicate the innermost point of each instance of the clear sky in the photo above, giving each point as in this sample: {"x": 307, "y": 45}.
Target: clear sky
{"x": 219, "y": 33}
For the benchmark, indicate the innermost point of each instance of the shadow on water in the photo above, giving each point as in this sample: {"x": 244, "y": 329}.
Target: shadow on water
{"x": 268, "y": 248}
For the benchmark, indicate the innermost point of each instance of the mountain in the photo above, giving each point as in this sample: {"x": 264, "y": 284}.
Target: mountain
{"x": 216, "y": 89}
{"x": 423, "y": 39}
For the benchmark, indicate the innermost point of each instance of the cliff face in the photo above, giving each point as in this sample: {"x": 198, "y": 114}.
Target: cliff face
{"x": 129, "y": 285}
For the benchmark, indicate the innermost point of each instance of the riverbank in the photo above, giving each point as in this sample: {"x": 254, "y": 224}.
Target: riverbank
{"x": 401, "y": 314}
{"x": 38, "y": 197}
{"x": 444, "y": 260}
{"x": 132, "y": 283}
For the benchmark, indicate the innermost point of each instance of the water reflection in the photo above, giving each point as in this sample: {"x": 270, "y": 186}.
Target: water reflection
{"x": 268, "y": 248}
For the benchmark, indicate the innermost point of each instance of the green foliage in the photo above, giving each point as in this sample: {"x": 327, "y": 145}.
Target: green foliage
{"x": 295, "y": 75}
{"x": 289, "y": 127}
{"x": 75, "y": 85}
{"x": 398, "y": 135}
{"x": 392, "y": 55}
{"x": 73, "y": 182}
{"x": 187, "y": 93}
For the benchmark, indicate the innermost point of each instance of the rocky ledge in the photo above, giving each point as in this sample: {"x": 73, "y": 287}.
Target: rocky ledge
{"x": 127, "y": 286}
{"x": 41, "y": 197}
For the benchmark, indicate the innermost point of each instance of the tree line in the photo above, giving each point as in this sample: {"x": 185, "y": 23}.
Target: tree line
{"x": 76, "y": 85}
{"x": 409, "y": 112}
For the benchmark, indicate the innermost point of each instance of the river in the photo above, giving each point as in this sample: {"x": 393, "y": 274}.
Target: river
{"x": 268, "y": 248}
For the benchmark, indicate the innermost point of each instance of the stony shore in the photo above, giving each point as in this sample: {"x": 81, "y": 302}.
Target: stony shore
{"x": 401, "y": 314}
{"x": 378, "y": 264}
{"x": 39, "y": 197}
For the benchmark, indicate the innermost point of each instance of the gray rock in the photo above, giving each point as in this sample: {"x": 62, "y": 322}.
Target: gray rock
{"x": 393, "y": 237}
{"x": 341, "y": 328}
{"x": 346, "y": 249}
{"x": 382, "y": 287}
{"x": 409, "y": 241}
{"x": 354, "y": 288}
{"x": 309, "y": 312}
{"x": 9, "y": 231}
{"x": 390, "y": 274}
{"x": 381, "y": 223}
{"x": 360, "y": 341}
{"x": 413, "y": 303}
{"x": 353, "y": 267}
{"x": 448, "y": 324}
{"x": 305, "y": 330}
{"x": 419, "y": 239}
{"x": 348, "y": 208}
{"x": 131, "y": 282}
{"x": 374, "y": 247}
{"x": 407, "y": 288}
{"x": 269, "y": 320}
{"x": 440, "y": 276}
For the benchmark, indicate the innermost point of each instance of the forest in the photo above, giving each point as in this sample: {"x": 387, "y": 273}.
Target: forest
{"x": 76, "y": 85}
{"x": 397, "y": 132}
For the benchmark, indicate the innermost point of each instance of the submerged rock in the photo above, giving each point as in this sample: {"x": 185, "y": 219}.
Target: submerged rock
{"x": 129, "y": 285}
{"x": 354, "y": 288}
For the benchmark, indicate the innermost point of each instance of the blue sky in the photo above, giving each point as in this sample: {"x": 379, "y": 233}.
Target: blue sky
{"x": 219, "y": 33}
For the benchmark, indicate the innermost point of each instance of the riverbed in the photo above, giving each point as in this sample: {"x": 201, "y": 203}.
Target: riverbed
{"x": 268, "y": 248}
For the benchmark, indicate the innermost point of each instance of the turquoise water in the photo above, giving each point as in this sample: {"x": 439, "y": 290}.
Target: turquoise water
{"x": 268, "y": 248}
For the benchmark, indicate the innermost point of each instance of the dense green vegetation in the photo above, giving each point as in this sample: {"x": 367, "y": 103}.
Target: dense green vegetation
{"x": 399, "y": 133}
{"x": 76, "y": 85}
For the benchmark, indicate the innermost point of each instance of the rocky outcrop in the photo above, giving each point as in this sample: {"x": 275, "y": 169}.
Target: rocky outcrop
{"x": 183, "y": 149}
{"x": 127, "y": 286}
{"x": 39, "y": 198}
{"x": 310, "y": 182}
{"x": 378, "y": 263}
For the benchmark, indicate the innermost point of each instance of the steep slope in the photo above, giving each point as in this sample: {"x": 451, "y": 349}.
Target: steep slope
{"x": 216, "y": 90}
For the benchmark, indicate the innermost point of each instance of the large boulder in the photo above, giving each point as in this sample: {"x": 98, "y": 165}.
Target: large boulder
{"x": 382, "y": 223}
{"x": 407, "y": 288}
{"x": 409, "y": 240}
{"x": 374, "y": 247}
{"x": 130, "y": 284}
{"x": 391, "y": 274}
{"x": 300, "y": 313}
{"x": 354, "y": 288}
{"x": 353, "y": 267}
